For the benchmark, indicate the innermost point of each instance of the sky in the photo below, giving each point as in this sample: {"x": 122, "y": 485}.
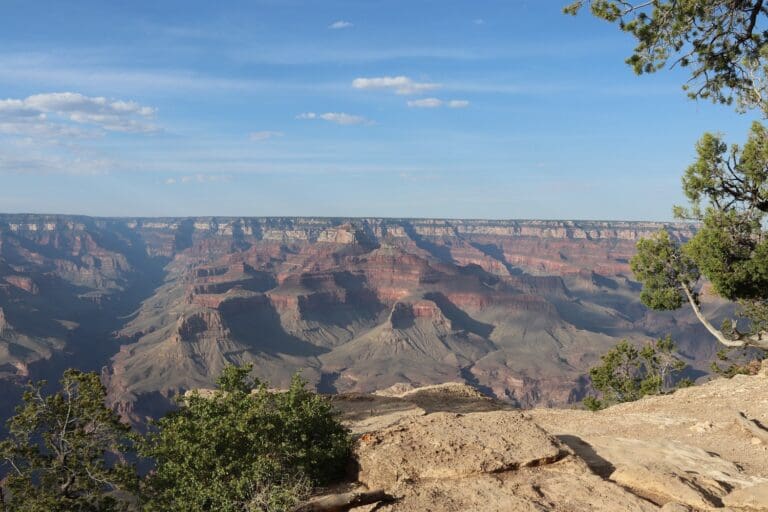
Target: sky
{"x": 389, "y": 108}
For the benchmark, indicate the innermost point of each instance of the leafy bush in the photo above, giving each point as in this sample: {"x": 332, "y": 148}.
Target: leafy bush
{"x": 628, "y": 373}
{"x": 239, "y": 450}
{"x": 741, "y": 361}
{"x": 65, "y": 451}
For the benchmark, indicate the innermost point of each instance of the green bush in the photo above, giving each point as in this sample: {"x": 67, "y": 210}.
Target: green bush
{"x": 627, "y": 373}
{"x": 737, "y": 361}
{"x": 239, "y": 450}
{"x": 65, "y": 452}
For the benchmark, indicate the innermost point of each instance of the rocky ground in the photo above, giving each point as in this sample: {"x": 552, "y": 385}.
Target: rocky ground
{"x": 448, "y": 448}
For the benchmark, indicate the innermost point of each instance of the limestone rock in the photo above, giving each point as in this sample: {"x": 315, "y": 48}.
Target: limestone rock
{"x": 675, "y": 507}
{"x": 484, "y": 461}
{"x": 445, "y": 446}
{"x": 753, "y": 498}
{"x": 671, "y": 470}
{"x": 562, "y": 487}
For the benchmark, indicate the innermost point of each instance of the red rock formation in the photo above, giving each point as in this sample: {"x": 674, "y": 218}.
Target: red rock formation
{"x": 357, "y": 303}
{"x": 23, "y": 283}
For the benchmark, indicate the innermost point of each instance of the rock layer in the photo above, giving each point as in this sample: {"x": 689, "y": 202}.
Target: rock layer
{"x": 518, "y": 308}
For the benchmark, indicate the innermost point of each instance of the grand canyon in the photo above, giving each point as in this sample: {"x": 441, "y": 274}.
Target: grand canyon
{"x": 518, "y": 309}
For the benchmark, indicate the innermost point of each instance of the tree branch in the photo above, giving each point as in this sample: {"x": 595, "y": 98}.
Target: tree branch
{"x": 343, "y": 502}
{"x": 753, "y": 341}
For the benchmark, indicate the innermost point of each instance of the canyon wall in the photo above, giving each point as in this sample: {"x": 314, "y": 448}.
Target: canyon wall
{"x": 519, "y": 308}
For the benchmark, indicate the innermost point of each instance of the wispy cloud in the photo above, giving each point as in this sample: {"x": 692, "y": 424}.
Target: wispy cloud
{"x": 478, "y": 21}
{"x": 264, "y": 135}
{"x": 340, "y": 24}
{"x": 198, "y": 179}
{"x": 34, "y": 161}
{"x": 335, "y": 117}
{"x": 52, "y": 112}
{"x": 437, "y": 103}
{"x": 399, "y": 84}
{"x": 426, "y": 103}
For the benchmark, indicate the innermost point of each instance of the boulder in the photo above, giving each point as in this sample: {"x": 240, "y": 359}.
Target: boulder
{"x": 448, "y": 445}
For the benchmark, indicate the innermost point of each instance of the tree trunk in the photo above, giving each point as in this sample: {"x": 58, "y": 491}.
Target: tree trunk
{"x": 343, "y": 502}
{"x": 752, "y": 341}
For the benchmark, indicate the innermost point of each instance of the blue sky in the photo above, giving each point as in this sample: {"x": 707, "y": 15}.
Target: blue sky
{"x": 462, "y": 109}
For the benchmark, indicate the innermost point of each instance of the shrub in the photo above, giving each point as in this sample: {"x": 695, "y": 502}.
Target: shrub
{"x": 243, "y": 450}
{"x": 739, "y": 361}
{"x": 628, "y": 373}
{"x": 66, "y": 451}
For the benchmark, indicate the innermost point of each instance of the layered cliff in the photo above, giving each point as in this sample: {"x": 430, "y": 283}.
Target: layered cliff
{"x": 518, "y": 308}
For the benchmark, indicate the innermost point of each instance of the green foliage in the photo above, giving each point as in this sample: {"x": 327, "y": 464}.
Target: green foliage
{"x": 58, "y": 452}
{"x": 728, "y": 193}
{"x": 244, "y": 451}
{"x": 742, "y": 361}
{"x": 663, "y": 269}
{"x": 719, "y": 41}
{"x": 593, "y": 404}
{"x": 724, "y": 45}
{"x": 627, "y": 373}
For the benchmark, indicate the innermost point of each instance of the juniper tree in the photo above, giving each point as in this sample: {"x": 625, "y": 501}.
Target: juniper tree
{"x": 728, "y": 192}
{"x": 721, "y": 42}
{"x": 65, "y": 451}
{"x": 238, "y": 451}
{"x": 724, "y": 45}
{"x": 627, "y": 373}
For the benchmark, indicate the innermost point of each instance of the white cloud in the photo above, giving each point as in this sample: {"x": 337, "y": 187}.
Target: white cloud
{"x": 399, "y": 84}
{"x": 458, "y": 104}
{"x": 198, "y": 178}
{"x": 437, "y": 103}
{"x": 478, "y": 21}
{"x": 54, "y": 111}
{"x": 340, "y": 24}
{"x": 264, "y": 135}
{"x": 426, "y": 103}
{"x": 334, "y": 117}
{"x": 34, "y": 161}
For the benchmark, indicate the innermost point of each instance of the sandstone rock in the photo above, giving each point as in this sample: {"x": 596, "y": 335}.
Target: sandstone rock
{"x": 445, "y": 445}
{"x": 448, "y": 389}
{"x": 671, "y": 470}
{"x": 486, "y": 461}
{"x": 528, "y": 490}
{"x": 704, "y": 426}
{"x": 753, "y": 498}
{"x": 763, "y": 369}
{"x": 675, "y": 507}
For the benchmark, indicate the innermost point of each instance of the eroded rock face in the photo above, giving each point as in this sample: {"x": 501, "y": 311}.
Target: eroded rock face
{"x": 519, "y": 308}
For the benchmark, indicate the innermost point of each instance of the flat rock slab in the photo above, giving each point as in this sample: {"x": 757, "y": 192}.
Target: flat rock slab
{"x": 448, "y": 445}
{"x": 753, "y": 498}
{"x": 565, "y": 486}
{"x": 672, "y": 470}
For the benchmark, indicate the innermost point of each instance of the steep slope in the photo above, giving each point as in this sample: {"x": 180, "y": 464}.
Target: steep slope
{"x": 518, "y": 308}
